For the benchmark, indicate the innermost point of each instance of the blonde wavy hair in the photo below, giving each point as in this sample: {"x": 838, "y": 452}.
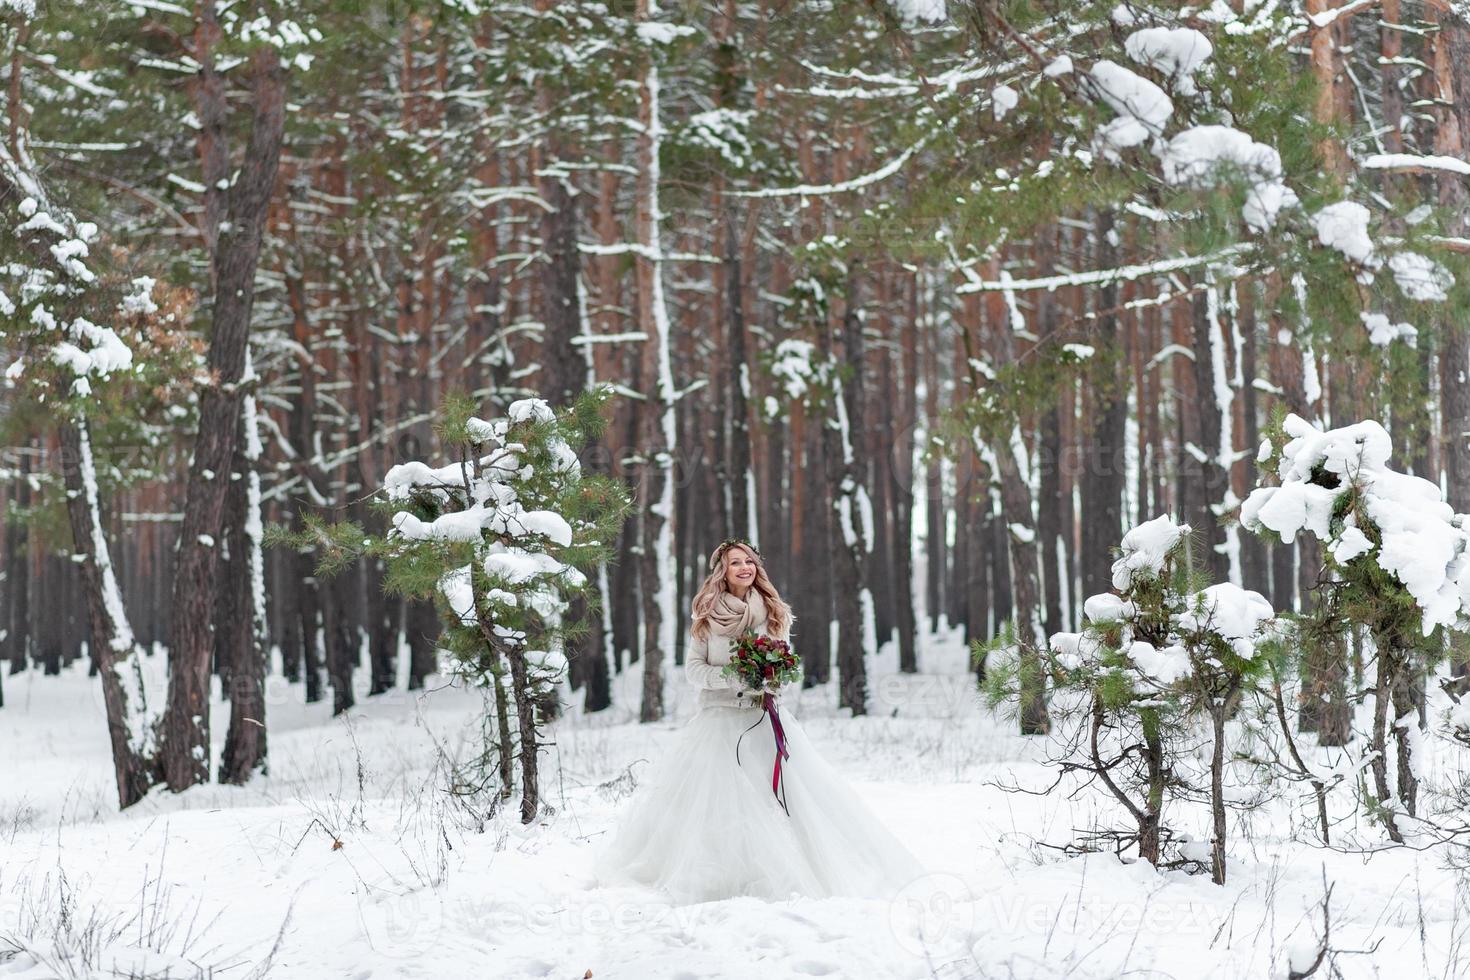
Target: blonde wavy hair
{"x": 778, "y": 613}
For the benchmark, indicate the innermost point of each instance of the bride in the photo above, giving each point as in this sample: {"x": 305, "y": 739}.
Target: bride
{"x": 705, "y": 826}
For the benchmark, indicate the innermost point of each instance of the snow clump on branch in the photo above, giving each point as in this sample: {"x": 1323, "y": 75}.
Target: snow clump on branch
{"x": 1338, "y": 485}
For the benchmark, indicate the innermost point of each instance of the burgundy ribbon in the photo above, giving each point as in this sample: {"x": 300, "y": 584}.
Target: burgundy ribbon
{"x": 781, "y": 753}
{"x": 778, "y": 785}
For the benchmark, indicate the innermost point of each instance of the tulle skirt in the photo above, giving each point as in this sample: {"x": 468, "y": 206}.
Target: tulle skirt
{"x": 702, "y": 826}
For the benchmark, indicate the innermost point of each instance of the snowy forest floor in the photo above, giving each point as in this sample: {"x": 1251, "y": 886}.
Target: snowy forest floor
{"x": 248, "y": 881}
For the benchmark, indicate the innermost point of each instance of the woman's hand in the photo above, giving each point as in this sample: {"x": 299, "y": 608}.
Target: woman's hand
{"x": 753, "y": 695}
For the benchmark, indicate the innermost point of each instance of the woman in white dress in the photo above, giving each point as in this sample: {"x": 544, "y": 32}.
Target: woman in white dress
{"x": 704, "y": 826}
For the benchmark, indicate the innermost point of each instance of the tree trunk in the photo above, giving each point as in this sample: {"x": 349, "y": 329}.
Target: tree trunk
{"x": 936, "y": 546}
{"x": 1382, "y": 696}
{"x": 1050, "y": 547}
{"x": 1016, "y": 511}
{"x": 15, "y": 652}
{"x": 1254, "y": 571}
{"x": 1150, "y": 834}
{"x": 185, "y": 748}
{"x": 1212, "y": 398}
{"x": 1217, "y": 791}
{"x": 625, "y": 583}
{"x": 900, "y": 470}
{"x": 240, "y": 639}
{"x": 339, "y": 636}
{"x": 286, "y": 591}
{"x": 1020, "y": 532}
{"x": 656, "y": 484}
{"x": 525, "y": 718}
{"x": 1451, "y": 70}
{"x": 977, "y": 564}
{"x": 131, "y": 728}
{"x": 1325, "y": 649}
{"x": 851, "y": 510}
{"x": 563, "y": 366}
{"x": 816, "y": 541}
{"x": 596, "y": 675}
{"x": 988, "y": 558}
{"x": 309, "y": 615}
{"x": 591, "y": 651}
{"x": 1104, "y": 477}
{"x": 964, "y": 554}
{"x": 878, "y": 479}
{"x": 1452, "y": 76}
{"x": 1325, "y": 61}
{"x": 422, "y": 626}
{"x": 529, "y": 744}
{"x": 737, "y": 393}
{"x": 382, "y": 631}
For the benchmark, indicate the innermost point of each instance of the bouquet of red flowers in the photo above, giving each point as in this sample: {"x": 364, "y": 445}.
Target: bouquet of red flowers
{"x": 757, "y": 659}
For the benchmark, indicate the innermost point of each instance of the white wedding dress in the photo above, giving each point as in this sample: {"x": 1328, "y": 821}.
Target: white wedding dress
{"x": 702, "y": 827}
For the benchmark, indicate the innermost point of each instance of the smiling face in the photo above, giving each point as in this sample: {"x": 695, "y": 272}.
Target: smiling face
{"x": 739, "y": 569}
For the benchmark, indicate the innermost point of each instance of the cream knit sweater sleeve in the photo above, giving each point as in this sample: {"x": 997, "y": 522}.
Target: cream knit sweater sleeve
{"x": 702, "y": 673}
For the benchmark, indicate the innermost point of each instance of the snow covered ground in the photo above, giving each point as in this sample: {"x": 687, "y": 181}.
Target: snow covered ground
{"x": 350, "y": 861}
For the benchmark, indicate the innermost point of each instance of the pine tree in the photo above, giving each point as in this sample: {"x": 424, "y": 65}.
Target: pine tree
{"x": 1153, "y": 659}
{"x": 499, "y": 538}
{"x": 97, "y": 352}
{"x": 1396, "y": 563}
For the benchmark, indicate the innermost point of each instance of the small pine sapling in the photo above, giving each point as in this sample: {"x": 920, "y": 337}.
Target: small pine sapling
{"x": 1150, "y": 661}
{"x": 498, "y": 538}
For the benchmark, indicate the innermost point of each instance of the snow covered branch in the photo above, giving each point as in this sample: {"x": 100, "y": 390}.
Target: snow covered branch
{"x": 1119, "y": 274}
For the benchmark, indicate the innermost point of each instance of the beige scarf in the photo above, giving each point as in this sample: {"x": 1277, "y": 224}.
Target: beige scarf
{"x": 731, "y": 615}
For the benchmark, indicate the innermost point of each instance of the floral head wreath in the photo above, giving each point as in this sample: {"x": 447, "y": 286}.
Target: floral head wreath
{"x": 726, "y": 544}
